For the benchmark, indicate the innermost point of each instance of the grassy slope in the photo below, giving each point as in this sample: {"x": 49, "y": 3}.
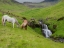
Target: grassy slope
{"x": 18, "y": 38}
{"x": 54, "y": 12}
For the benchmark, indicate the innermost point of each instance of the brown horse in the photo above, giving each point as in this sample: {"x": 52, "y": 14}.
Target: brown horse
{"x": 24, "y": 24}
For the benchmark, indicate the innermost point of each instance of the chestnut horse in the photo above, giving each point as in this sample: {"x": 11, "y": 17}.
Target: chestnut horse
{"x": 24, "y": 24}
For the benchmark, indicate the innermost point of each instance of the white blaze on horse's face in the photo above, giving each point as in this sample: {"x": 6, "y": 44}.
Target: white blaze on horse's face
{"x": 9, "y": 19}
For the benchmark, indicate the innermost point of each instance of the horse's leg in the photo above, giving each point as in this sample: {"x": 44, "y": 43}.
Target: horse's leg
{"x": 26, "y": 27}
{"x": 13, "y": 25}
{"x": 4, "y": 22}
{"x": 22, "y": 26}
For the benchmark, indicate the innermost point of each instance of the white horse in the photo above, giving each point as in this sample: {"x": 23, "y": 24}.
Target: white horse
{"x": 9, "y": 19}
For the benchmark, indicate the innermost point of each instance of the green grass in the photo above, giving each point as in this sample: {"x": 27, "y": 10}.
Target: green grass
{"x": 31, "y": 38}
{"x": 12, "y": 7}
{"x": 55, "y": 12}
{"x": 19, "y": 38}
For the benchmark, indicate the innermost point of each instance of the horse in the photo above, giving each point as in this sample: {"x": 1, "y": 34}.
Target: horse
{"x": 9, "y": 19}
{"x": 24, "y": 24}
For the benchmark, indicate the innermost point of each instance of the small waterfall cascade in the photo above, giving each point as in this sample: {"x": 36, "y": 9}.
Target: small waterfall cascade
{"x": 46, "y": 31}
{"x": 44, "y": 26}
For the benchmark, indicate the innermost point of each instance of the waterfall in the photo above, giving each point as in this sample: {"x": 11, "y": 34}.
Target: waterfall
{"x": 44, "y": 26}
{"x": 46, "y": 31}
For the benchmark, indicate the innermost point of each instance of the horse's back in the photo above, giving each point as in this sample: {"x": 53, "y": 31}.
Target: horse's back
{"x": 5, "y": 16}
{"x": 9, "y": 19}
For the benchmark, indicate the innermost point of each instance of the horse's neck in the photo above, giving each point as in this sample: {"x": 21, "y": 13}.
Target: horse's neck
{"x": 17, "y": 23}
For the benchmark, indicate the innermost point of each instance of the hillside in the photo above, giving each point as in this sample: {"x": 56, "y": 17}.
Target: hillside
{"x": 50, "y": 15}
{"x": 42, "y": 4}
{"x": 52, "y": 11}
{"x": 19, "y": 38}
{"x": 12, "y": 7}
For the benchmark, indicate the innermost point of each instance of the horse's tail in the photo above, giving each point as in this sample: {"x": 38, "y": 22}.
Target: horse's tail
{"x": 2, "y": 20}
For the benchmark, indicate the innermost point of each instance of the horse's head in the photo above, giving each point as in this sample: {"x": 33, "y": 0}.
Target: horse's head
{"x": 16, "y": 21}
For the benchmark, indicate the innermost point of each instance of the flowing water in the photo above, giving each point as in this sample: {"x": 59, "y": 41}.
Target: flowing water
{"x": 46, "y": 31}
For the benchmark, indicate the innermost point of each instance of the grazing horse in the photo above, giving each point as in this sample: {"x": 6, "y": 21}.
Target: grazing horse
{"x": 24, "y": 24}
{"x": 9, "y": 19}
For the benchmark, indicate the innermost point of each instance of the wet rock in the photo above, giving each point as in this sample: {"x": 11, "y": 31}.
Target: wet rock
{"x": 58, "y": 39}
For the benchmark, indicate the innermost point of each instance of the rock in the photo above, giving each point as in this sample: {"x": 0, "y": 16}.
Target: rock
{"x": 62, "y": 18}
{"x": 54, "y": 26}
